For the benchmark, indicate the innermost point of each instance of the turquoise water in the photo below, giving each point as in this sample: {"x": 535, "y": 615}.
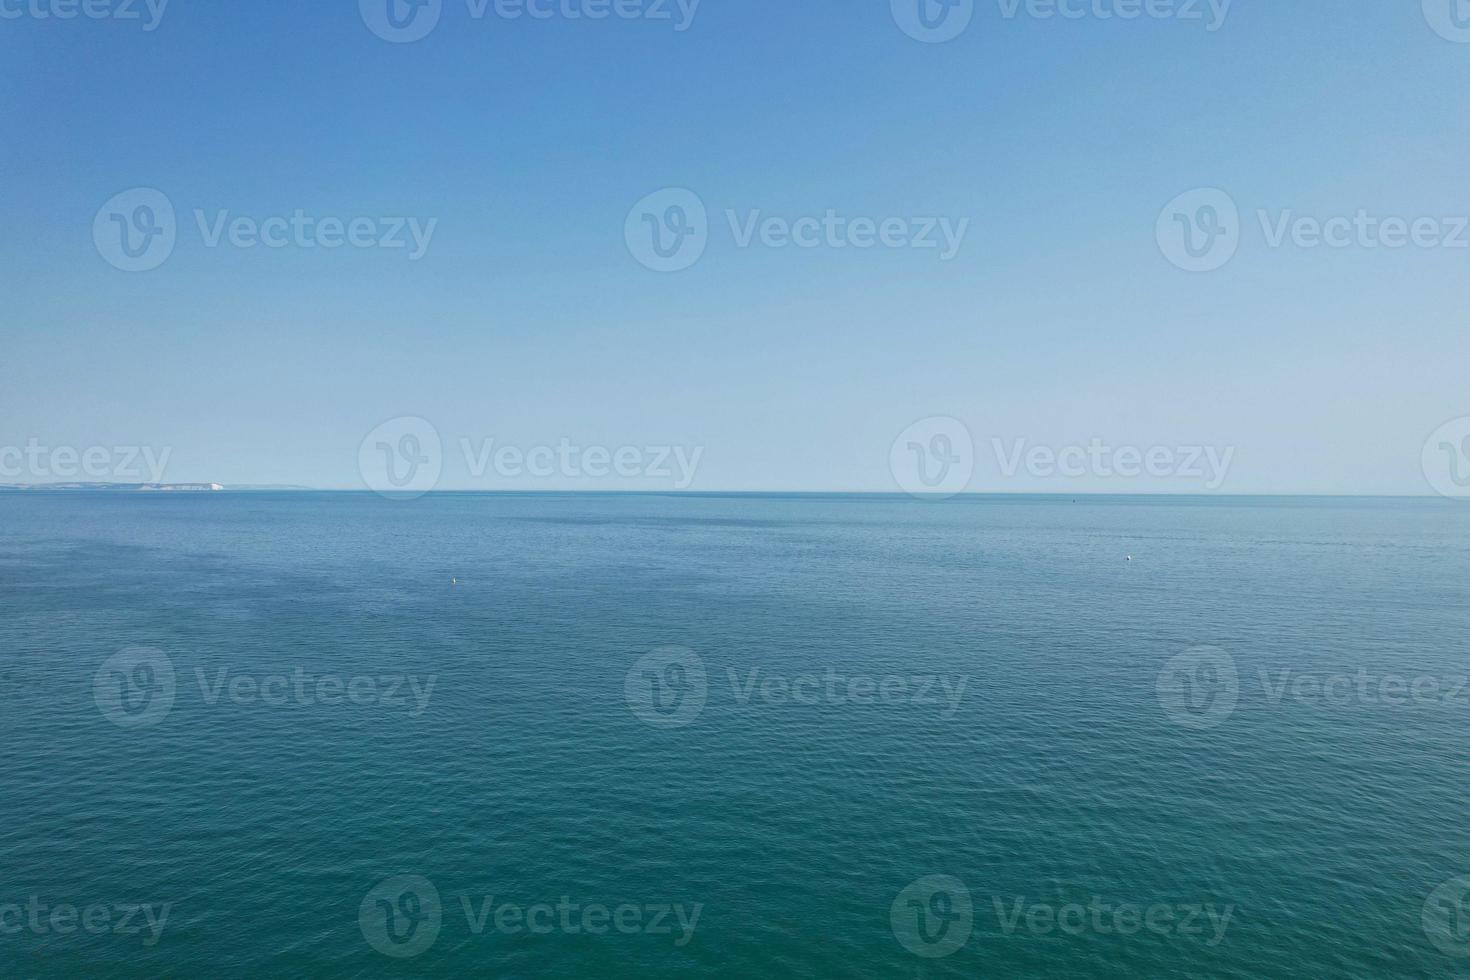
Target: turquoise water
{"x": 985, "y": 690}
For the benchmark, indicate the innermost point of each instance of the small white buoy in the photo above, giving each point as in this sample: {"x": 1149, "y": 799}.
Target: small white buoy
{"x": 1130, "y": 557}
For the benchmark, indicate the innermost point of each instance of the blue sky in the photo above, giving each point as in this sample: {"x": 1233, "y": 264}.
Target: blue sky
{"x": 1060, "y": 319}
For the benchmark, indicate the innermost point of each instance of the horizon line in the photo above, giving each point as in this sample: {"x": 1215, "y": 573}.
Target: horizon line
{"x": 292, "y": 488}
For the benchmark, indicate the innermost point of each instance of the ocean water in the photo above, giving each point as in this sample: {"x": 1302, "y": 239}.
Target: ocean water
{"x": 785, "y": 736}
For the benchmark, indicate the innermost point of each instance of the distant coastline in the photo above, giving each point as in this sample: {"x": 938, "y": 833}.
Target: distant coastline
{"x": 119, "y": 487}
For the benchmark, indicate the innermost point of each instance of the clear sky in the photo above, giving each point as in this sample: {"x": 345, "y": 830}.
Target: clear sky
{"x": 528, "y": 319}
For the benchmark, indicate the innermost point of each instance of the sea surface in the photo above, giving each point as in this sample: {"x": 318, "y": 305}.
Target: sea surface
{"x": 336, "y": 735}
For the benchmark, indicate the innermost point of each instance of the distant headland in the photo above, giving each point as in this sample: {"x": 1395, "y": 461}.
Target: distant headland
{"x": 118, "y": 487}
